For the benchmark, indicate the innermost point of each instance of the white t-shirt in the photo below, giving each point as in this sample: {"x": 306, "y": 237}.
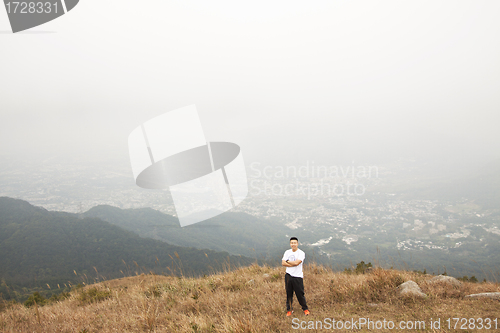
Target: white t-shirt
{"x": 289, "y": 255}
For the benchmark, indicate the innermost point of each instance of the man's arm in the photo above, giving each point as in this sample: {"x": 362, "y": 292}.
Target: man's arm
{"x": 295, "y": 262}
{"x": 290, "y": 263}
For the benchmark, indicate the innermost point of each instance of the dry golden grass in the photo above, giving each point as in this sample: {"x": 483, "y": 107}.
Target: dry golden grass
{"x": 246, "y": 300}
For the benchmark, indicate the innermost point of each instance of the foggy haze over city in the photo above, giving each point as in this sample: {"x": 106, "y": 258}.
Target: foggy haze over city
{"x": 289, "y": 81}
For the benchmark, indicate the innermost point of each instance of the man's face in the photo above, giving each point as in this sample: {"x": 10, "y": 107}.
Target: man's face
{"x": 294, "y": 244}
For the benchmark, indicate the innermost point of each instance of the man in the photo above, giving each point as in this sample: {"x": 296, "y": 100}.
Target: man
{"x": 292, "y": 260}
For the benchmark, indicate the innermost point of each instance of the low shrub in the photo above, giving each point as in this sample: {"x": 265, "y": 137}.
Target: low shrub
{"x": 93, "y": 295}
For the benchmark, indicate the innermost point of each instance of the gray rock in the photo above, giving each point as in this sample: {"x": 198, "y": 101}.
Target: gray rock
{"x": 266, "y": 275}
{"x": 250, "y": 282}
{"x": 410, "y": 288}
{"x": 445, "y": 279}
{"x": 495, "y": 295}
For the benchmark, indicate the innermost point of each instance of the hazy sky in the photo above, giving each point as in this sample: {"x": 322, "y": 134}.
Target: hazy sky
{"x": 289, "y": 81}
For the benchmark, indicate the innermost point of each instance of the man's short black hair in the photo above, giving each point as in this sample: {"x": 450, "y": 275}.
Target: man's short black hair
{"x": 294, "y": 238}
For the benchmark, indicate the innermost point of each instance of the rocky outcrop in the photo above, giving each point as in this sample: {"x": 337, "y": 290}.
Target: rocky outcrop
{"x": 445, "y": 279}
{"x": 495, "y": 295}
{"x": 410, "y": 288}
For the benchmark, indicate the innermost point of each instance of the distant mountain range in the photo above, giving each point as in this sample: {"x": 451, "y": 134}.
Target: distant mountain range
{"x": 237, "y": 233}
{"x": 39, "y": 247}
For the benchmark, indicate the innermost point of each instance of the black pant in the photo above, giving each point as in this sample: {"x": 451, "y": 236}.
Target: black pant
{"x": 294, "y": 284}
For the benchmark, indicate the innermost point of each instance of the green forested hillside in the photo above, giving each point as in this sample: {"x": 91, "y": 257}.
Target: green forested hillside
{"x": 38, "y": 247}
{"x": 237, "y": 233}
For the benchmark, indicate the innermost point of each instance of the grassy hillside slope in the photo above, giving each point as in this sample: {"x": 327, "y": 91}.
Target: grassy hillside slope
{"x": 250, "y": 299}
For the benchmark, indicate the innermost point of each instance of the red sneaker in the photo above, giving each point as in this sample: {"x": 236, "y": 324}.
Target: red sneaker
{"x": 289, "y": 313}
{"x": 307, "y": 313}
